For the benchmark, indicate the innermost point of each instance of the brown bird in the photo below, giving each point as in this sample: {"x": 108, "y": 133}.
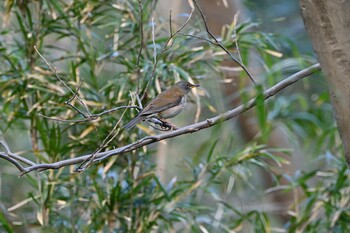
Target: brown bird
{"x": 166, "y": 105}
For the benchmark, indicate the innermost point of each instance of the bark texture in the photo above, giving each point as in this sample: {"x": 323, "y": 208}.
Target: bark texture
{"x": 328, "y": 25}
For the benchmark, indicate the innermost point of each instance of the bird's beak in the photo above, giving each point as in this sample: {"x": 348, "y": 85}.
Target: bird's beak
{"x": 195, "y": 85}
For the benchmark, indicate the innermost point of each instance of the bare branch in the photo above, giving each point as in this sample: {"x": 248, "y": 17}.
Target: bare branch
{"x": 181, "y": 131}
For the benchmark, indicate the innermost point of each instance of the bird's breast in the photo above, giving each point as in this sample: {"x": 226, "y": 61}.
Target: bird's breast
{"x": 171, "y": 112}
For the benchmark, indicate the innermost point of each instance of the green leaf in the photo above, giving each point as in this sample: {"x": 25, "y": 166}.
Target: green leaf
{"x": 5, "y": 224}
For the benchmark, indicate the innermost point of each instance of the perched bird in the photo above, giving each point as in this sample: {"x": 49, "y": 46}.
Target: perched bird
{"x": 166, "y": 105}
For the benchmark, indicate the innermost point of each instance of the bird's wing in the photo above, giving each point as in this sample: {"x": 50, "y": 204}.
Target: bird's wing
{"x": 163, "y": 101}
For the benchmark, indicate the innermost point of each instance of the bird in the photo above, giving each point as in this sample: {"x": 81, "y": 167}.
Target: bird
{"x": 166, "y": 105}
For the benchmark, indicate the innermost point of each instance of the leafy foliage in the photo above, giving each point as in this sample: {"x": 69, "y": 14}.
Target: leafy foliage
{"x": 96, "y": 48}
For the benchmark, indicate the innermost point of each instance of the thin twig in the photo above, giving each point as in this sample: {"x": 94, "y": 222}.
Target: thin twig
{"x": 54, "y": 71}
{"x": 181, "y": 131}
{"x": 216, "y": 42}
{"x": 165, "y": 48}
{"x": 236, "y": 38}
{"x": 140, "y": 50}
{"x": 86, "y": 163}
{"x": 89, "y": 118}
{"x": 75, "y": 95}
{"x": 154, "y": 41}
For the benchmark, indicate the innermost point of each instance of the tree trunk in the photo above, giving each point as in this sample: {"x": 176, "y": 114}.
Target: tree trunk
{"x": 328, "y": 25}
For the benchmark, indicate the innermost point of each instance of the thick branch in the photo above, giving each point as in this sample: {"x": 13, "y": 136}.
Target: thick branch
{"x": 181, "y": 131}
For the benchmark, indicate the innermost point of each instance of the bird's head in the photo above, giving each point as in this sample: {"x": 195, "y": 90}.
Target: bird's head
{"x": 185, "y": 86}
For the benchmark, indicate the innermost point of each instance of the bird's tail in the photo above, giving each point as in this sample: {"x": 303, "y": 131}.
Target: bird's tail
{"x": 134, "y": 121}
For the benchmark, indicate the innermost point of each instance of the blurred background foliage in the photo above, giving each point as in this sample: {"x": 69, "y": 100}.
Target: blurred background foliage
{"x": 210, "y": 181}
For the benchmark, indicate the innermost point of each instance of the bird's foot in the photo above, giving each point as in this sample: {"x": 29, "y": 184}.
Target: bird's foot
{"x": 164, "y": 125}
